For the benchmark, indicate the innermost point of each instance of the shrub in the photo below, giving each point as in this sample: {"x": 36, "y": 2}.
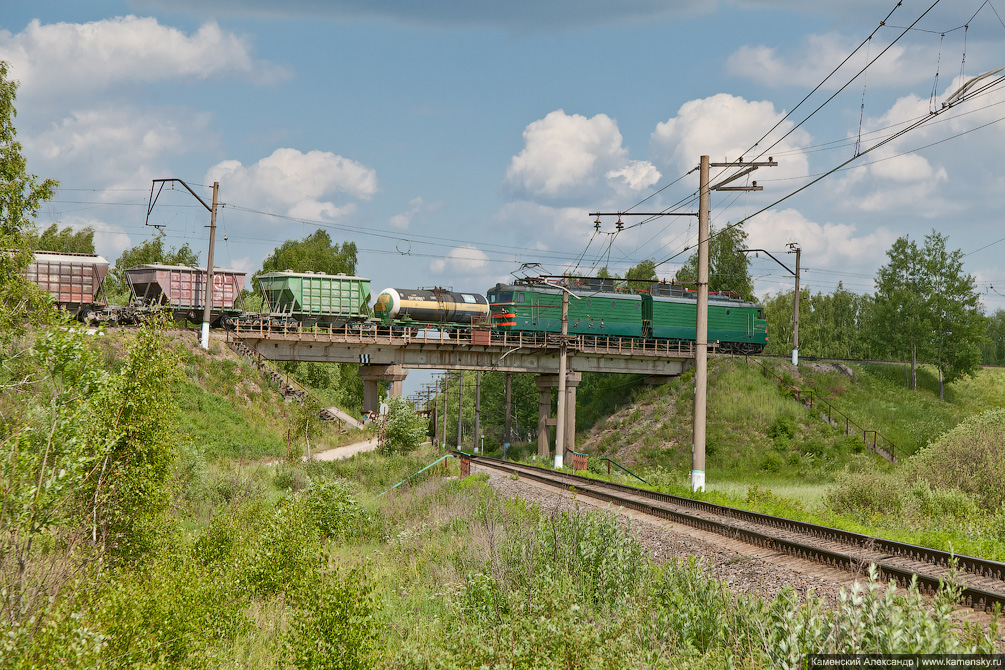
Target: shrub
{"x": 335, "y": 625}
{"x": 969, "y": 458}
{"x": 403, "y": 430}
{"x": 690, "y": 609}
{"x": 285, "y": 551}
{"x": 869, "y": 619}
{"x": 50, "y": 639}
{"x": 865, "y": 494}
{"x": 940, "y": 504}
{"x": 783, "y": 429}
{"x": 170, "y": 612}
{"x": 772, "y": 462}
{"x": 331, "y": 507}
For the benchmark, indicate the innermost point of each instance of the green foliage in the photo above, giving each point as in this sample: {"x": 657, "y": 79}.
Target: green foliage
{"x": 691, "y": 613}
{"x": 865, "y": 494}
{"x": 21, "y": 197}
{"x": 53, "y": 638}
{"x": 728, "y": 268}
{"x": 868, "y": 619}
{"x": 338, "y": 383}
{"x": 284, "y": 554}
{"x": 927, "y": 308}
{"x": 315, "y": 253}
{"x": 132, "y": 425}
{"x": 331, "y": 506}
{"x": 403, "y": 429}
{"x": 834, "y": 325}
{"x": 969, "y": 458}
{"x": 21, "y": 193}
{"x": 642, "y": 275}
{"x": 993, "y": 346}
{"x": 64, "y": 240}
{"x": 335, "y": 624}
{"x": 171, "y": 612}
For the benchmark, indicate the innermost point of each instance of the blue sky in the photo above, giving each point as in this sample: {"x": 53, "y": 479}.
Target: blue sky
{"x": 455, "y": 140}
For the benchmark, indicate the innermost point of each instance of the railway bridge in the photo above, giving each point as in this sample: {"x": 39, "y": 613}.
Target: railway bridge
{"x": 387, "y": 353}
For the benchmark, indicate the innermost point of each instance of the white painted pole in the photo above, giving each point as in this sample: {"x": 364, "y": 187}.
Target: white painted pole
{"x": 562, "y": 368}
{"x": 701, "y": 336}
{"x": 208, "y": 308}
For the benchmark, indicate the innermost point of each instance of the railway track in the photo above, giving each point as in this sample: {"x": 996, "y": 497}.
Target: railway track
{"x": 983, "y": 582}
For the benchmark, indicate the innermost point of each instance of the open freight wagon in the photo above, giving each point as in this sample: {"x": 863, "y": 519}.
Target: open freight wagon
{"x": 183, "y": 290}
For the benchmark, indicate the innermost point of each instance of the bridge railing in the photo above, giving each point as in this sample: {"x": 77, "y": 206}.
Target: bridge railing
{"x": 879, "y": 443}
{"x": 604, "y": 345}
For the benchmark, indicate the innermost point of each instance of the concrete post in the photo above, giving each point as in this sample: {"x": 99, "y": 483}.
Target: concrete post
{"x": 543, "y": 414}
{"x": 570, "y": 415}
{"x": 207, "y": 311}
{"x": 371, "y": 375}
{"x": 562, "y": 399}
{"x": 446, "y": 380}
{"x": 545, "y": 383}
{"x": 795, "y": 315}
{"x": 507, "y": 425}
{"x": 701, "y": 335}
{"x": 478, "y": 407}
{"x": 460, "y": 407}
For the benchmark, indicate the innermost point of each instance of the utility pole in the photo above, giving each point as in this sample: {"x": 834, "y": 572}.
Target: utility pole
{"x": 701, "y": 334}
{"x": 701, "y": 326}
{"x": 701, "y": 320}
{"x": 562, "y": 368}
{"x": 795, "y": 309}
{"x": 478, "y": 406}
{"x": 460, "y": 406}
{"x": 509, "y": 408}
{"x": 208, "y": 308}
{"x": 436, "y": 408}
{"x": 446, "y": 379}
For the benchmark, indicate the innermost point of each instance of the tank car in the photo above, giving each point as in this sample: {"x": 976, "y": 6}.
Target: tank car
{"x": 433, "y": 306}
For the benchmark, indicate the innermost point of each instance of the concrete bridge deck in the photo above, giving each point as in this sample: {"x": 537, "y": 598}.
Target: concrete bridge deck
{"x": 469, "y": 350}
{"x": 386, "y": 353}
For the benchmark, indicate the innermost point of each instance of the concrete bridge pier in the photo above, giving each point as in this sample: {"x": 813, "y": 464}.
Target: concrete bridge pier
{"x": 545, "y": 383}
{"x": 371, "y": 374}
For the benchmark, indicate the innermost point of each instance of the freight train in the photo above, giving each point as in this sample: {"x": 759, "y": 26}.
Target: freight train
{"x": 597, "y": 307}
{"x": 76, "y": 284}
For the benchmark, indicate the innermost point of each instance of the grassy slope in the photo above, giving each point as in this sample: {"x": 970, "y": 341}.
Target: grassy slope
{"x": 766, "y": 451}
{"x": 228, "y": 409}
{"x": 752, "y": 423}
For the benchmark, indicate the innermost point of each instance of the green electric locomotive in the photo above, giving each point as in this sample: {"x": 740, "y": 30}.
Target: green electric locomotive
{"x": 598, "y": 307}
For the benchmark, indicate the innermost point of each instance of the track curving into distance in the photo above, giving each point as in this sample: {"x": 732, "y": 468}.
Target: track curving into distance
{"x": 983, "y": 581}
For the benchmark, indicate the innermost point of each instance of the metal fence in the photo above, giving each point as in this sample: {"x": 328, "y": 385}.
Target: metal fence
{"x": 879, "y": 443}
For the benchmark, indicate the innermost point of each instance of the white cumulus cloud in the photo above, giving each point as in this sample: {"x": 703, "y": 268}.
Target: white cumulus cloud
{"x": 301, "y": 185}
{"x": 61, "y": 59}
{"x": 831, "y": 245}
{"x": 462, "y": 260}
{"x": 117, "y": 146}
{"x": 723, "y": 127}
{"x": 571, "y": 156}
{"x": 417, "y": 209}
{"x": 808, "y": 63}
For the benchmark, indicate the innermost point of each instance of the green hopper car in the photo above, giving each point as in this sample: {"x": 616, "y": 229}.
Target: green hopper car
{"x": 314, "y": 298}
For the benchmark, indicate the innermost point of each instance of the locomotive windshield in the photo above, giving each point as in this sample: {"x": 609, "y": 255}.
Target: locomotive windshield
{"x": 505, "y": 296}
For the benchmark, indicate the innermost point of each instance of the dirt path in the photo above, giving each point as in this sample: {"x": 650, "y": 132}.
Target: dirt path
{"x": 345, "y": 452}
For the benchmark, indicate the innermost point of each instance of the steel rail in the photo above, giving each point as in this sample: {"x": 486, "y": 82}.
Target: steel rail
{"x": 977, "y": 598}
